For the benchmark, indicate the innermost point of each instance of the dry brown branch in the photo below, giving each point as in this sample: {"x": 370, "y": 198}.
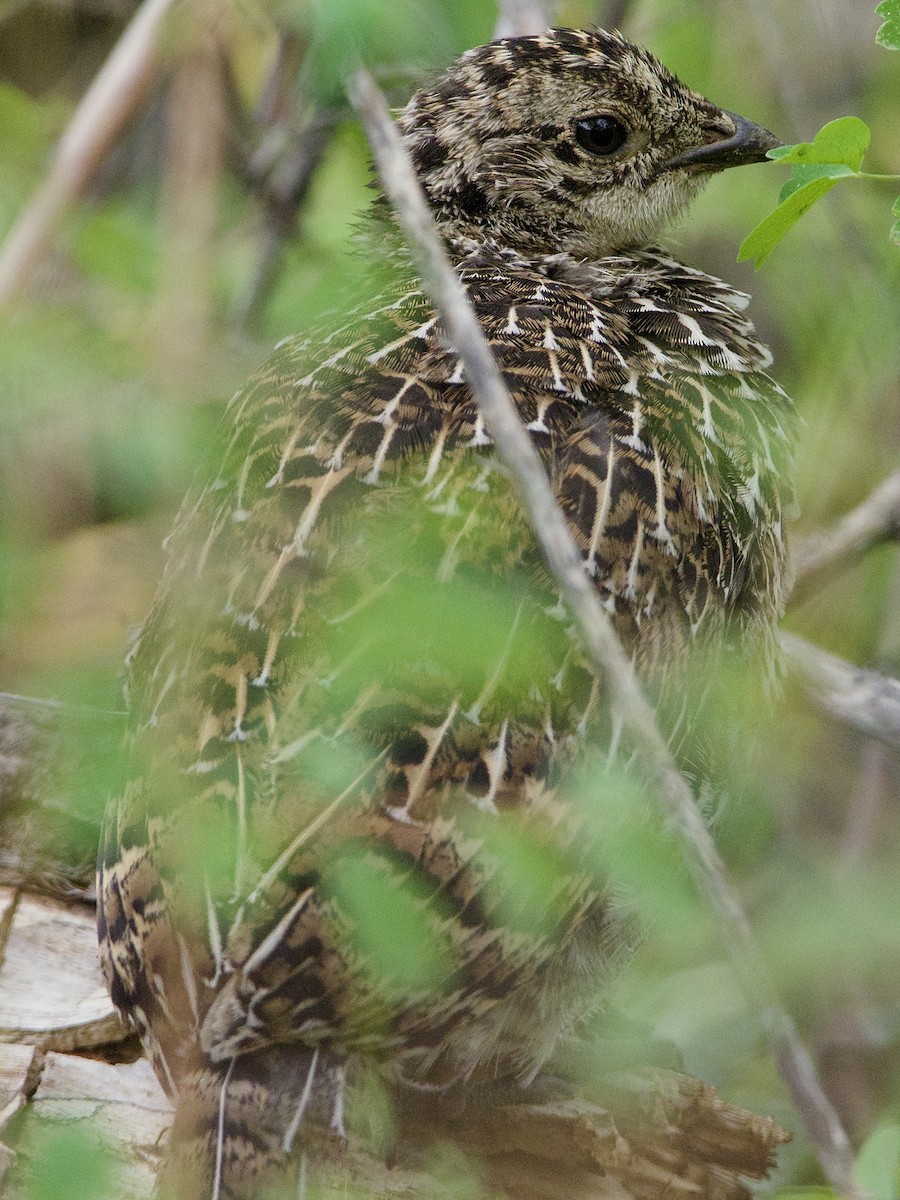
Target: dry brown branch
{"x": 865, "y": 700}
{"x": 518, "y": 18}
{"x": 820, "y": 554}
{"x": 111, "y": 99}
{"x": 516, "y": 450}
{"x": 196, "y": 125}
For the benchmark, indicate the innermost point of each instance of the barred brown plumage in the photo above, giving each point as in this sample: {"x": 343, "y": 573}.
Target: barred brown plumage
{"x": 357, "y": 669}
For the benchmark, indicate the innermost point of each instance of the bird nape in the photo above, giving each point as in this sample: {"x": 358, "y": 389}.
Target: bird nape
{"x": 351, "y": 847}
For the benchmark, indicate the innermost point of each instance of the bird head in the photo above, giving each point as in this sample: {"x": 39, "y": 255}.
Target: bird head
{"x": 575, "y": 141}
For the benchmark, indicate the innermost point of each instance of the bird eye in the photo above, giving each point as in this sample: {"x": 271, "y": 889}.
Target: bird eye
{"x": 600, "y": 135}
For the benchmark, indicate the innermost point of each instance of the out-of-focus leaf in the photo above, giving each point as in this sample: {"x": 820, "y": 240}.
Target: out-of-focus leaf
{"x": 889, "y": 33}
{"x": 877, "y": 1167}
{"x": 895, "y": 228}
{"x": 27, "y": 127}
{"x": 117, "y": 242}
{"x": 818, "y": 928}
{"x": 844, "y": 141}
{"x": 390, "y": 926}
{"x": 479, "y": 635}
{"x": 760, "y": 242}
{"x": 625, "y": 836}
{"x": 806, "y": 1193}
{"x": 398, "y": 36}
{"x": 526, "y": 879}
{"x": 66, "y": 1160}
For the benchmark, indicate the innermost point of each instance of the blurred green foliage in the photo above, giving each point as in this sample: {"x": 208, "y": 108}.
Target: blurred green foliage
{"x": 398, "y": 941}
{"x": 94, "y": 438}
{"x": 67, "y": 1159}
{"x": 878, "y": 1163}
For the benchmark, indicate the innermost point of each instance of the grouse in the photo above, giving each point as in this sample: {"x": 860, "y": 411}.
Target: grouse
{"x": 349, "y": 840}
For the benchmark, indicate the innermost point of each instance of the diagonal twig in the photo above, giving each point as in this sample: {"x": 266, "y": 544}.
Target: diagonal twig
{"x": 115, "y": 93}
{"x": 876, "y": 520}
{"x": 516, "y": 450}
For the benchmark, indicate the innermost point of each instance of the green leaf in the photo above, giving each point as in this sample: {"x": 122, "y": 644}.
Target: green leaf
{"x": 889, "y": 33}
{"x": 842, "y": 141}
{"x": 393, "y": 925}
{"x": 806, "y": 1193}
{"x": 524, "y": 876}
{"x": 760, "y": 241}
{"x": 804, "y": 173}
{"x": 67, "y": 1160}
{"x": 895, "y": 228}
{"x": 877, "y": 1167}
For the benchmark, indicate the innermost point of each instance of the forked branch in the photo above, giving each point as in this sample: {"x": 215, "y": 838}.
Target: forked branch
{"x": 108, "y": 103}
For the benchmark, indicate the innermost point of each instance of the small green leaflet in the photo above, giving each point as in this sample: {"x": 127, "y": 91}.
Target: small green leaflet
{"x": 877, "y": 1167}
{"x": 889, "y": 33}
{"x": 803, "y": 174}
{"x": 836, "y": 152}
{"x": 843, "y": 141}
{"x": 759, "y": 243}
{"x": 67, "y": 1160}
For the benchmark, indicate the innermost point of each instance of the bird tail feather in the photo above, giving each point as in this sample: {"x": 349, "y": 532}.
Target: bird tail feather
{"x": 241, "y": 1126}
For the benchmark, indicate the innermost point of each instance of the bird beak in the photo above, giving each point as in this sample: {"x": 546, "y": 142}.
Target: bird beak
{"x": 748, "y": 144}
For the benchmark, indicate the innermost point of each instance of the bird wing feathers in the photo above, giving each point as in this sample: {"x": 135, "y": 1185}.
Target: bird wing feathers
{"x": 357, "y": 655}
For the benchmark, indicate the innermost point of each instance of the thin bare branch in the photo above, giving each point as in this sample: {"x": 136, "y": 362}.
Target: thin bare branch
{"x": 195, "y": 144}
{"x": 518, "y": 18}
{"x": 517, "y": 451}
{"x": 115, "y": 93}
{"x": 865, "y": 700}
{"x": 874, "y": 521}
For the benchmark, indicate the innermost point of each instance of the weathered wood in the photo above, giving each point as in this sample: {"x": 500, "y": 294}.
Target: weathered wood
{"x": 666, "y": 1134}
{"x": 122, "y": 1104}
{"x": 51, "y": 991}
{"x": 125, "y": 1106}
{"x": 670, "y": 1134}
{"x": 19, "y": 1072}
{"x": 20, "y": 1068}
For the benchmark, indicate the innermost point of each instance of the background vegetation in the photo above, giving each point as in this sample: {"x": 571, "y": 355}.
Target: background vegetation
{"x": 201, "y": 242}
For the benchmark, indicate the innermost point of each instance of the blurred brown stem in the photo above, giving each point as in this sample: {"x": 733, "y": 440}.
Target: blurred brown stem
{"x": 516, "y": 450}
{"x": 197, "y": 108}
{"x": 821, "y": 554}
{"x": 109, "y": 102}
{"x": 518, "y": 18}
{"x": 615, "y": 13}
